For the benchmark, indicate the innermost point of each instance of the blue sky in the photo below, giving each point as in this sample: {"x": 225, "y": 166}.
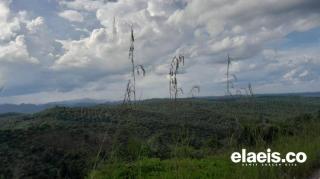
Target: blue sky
{"x": 307, "y": 38}
{"x": 53, "y": 50}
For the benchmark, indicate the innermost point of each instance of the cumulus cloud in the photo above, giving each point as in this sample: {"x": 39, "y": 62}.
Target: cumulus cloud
{"x": 204, "y": 31}
{"x": 35, "y": 24}
{"x": 71, "y": 15}
{"x": 96, "y": 52}
{"x": 88, "y": 5}
{"x": 13, "y": 46}
{"x": 9, "y": 26}
{"x": 16, "y": 52}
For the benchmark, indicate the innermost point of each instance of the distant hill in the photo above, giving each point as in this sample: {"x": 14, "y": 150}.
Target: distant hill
{"x": 33, "y": 108}
{"x": 22, "y": 108}
{"x": 303, "y": 94}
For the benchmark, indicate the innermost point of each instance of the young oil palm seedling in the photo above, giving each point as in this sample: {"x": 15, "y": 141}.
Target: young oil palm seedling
{"x": 174, "y": 90}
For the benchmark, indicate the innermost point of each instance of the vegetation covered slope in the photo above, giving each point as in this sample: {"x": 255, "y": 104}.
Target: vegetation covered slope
{"x": 190, "y": 138}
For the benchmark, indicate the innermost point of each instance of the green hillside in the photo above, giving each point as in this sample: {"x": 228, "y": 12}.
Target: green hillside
{"x": 192, "y": 138}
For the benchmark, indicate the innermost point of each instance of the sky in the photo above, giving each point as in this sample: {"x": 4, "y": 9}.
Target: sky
{"x": 56, "y": 50}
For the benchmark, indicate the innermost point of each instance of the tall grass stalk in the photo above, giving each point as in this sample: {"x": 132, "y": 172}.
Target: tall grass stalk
{"x": 174, "y": 90}
{"x": 135, "y": 70}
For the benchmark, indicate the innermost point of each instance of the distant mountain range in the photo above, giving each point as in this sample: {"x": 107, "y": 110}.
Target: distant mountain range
{"x": 33, "y": 108}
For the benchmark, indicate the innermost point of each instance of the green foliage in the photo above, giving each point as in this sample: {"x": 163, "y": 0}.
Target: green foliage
{"x": 156, "y": 139}
{"x": 219, "y": 165}
{"x": 156, "y": 168}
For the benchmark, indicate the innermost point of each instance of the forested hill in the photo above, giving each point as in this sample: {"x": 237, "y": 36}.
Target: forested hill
{"x": 70, "y": 142}
{"x": 33, "y": 108}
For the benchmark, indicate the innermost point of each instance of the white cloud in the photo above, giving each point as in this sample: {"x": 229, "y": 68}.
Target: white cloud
{"x": 9, "y": 26}
{"x": 35, "y": 24}
{"x": 4, "y": 10}
{"x": 16, "y": 52}
{"x": 95, "y": 52}
{"x": 204, "y": 31}
{"x": 71, "y": 15}
{"x": 88, "y": 5}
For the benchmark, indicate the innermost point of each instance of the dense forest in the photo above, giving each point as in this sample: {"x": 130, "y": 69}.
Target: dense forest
{"x": 160, "y": 138}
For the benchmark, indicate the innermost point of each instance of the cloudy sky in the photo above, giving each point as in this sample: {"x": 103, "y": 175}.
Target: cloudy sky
{"x": 54, "y": 50}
